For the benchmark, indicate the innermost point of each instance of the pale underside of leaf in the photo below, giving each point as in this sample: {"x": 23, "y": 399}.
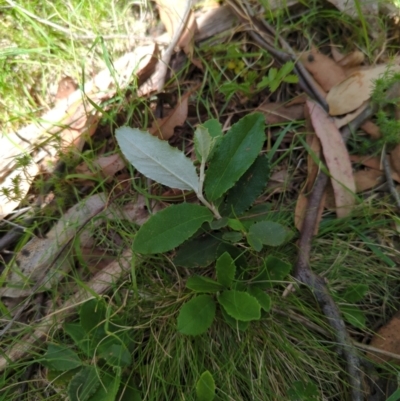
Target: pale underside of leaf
{"x": 156, "y": 159}
{"x": 336, "y": 157}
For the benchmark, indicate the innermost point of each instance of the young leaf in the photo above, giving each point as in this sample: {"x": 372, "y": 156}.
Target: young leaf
{"x": 355, "y": 293}
{"x": 80, "y": 337}
{"x": 226, "y": 269}
{"x": 156, "y": 159}
{"x": 109, "y": 388}
{"x": 354, "y": 316}
{"x": 203, "y": 143}
{"x": 276, "y": 268}
{"x": 248, "y": 188}
{"x": 205, "y": 387}
{"x": 203, "y": 284}
{"x": 263, "y": 298}
{"x": 197, "y": 315}
{"x": 268, "y": 233}
{"x": 83, "y": 384}
{"x": 116, "y": 355}
{"x": 170, "y": 227}
{"x": 214, "y": 128}
{"x": 198, "y": 252}
{"x": 236, "y": 225}
{"x": 240, "y": 305}
{"x": 235, "y": 324}
{"x": 232, "y": 236}
{"x": 236, "y": 153}
{"x": 92, "y": 317}
{"x": 59, "y": 357}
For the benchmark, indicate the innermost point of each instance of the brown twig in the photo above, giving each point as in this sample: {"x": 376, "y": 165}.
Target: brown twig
{"x": 389, "y": 179}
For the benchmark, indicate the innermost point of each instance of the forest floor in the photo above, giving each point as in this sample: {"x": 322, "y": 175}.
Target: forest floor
{"x": 286, "y": 288}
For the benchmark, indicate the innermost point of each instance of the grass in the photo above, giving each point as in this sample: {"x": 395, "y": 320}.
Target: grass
{"x": 291, "y": 344}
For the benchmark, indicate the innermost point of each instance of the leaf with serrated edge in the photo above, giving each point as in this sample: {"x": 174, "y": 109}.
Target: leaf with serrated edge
{"x": 236, "y": 153}
{"x": 248, "y": 188}
{"x": 205, "y": 387}
{"x": 197, "y": 315}
{"x": 156, "y": 159}
{"x": 83, "y": 384}
{"x": 240, "y": 305}
{"x": 170, "y": 227}
{"x": 226, "y": 269}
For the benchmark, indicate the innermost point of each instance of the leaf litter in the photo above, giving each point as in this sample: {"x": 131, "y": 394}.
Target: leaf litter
{"x": 347, "y": 86}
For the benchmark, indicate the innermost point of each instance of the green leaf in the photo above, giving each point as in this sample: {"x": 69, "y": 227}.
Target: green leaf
{"x": 170, "y": 227}
{"x": 92, "y": 317}
{"x": 232, "y": 236}
{"x": 248, "y": 188}
{"x": 218, "y": 224}
{"x": 80, "y": 337}
{"x": 263, "y": 298}
{"x": 291, "y": 79}
{"x": 116, "y": 355}
{"x": 276, "y": 268}
{"x": 156, "y": 159}
{"x": 303, "y": 392}
{"x": 236, "y": 225}
{"x": 59, "y": 357}
{"x": 109, "y": 389}
{"x": 203, "y": 143}
{"x": 236, "y": 153}
{"x": 240, "y": 305}
{"x": 203, "y": 284}
{"x": 235, "y": 324}
{"x": 198, "y": 252}
{"x": 129, "y": 392}
{"x": 353, "y": 315}
{"x": 197, "y": 315}
{"x": 267, "y": 233}
{"x": 226, "y": 269}
{"x": 205, "y": 387}
{"x": 272, "y": 74}
{"x": 214, "y": 128}
{"x": 286, "y": 69}
{"x": 83, "y": 384}
{"x": 355, "y": 293}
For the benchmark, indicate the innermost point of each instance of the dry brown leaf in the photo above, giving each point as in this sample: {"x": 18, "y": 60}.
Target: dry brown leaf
{"x": 352, "y": 92}
{"x": 107, "y": 165}
{"x": 349, "y": 7}
{"x": 367, "y": 179}
{"x": 374, "y": 163}
{"x": 336, "y": 157}
{"x": 281, "y": 112}
{"x": 395, "y": 159}
{"x": 172, "y": 14}
{"x": 387, "y": 339}
{"x": 325, "y": 70}
{"x": 164, "y": 127}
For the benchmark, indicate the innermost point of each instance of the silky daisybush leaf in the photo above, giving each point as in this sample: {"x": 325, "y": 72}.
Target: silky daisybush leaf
{"x": 269, "y": 233}
{"x": 83, "y": 384}
{"x": 236, "y": 153}
{"x": 235, "y": 324}
{"x": 203, "y": 143}
{"x": 156, "y": 159}
{"x": 205, "y": 387}
{"x": 203, "y": 284}
{"x": 198, "y": 252}
{"x": 226, "y": 269}
{"x": 170, "y": 227}
{"x": 262, "y": 297}
{"x": 248, "y": 188}
{"x": 276, "y": 268}
{"x": 109, "y": 389}
{"x": 116, "y": 355}
{"x": 355, "y": 293}
{"x": 232, "y": 236}
{"x": 353, "y": 315}
{"x": 240, "y": 305}
{"x": 196, "y": 315}
{"x": 60, "y": 357}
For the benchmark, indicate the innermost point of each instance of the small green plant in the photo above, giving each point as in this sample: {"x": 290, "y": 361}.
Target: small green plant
{"x": 98, "y": 338}
{"x": 236, "y": 176}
